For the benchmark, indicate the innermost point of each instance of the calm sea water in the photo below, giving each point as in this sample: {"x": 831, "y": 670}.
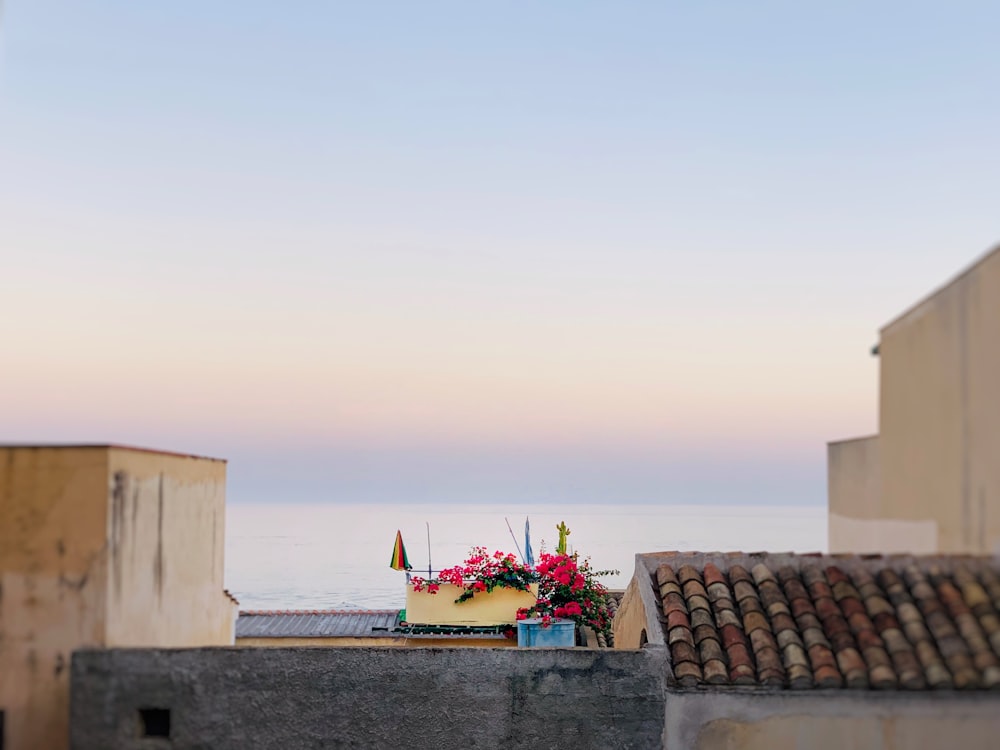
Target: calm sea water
{"x": 337, "y": 556}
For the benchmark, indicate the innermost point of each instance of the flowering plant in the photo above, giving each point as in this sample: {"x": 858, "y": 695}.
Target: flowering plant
{"x": 481, "y": 571}
{"x": 568, "y": 588}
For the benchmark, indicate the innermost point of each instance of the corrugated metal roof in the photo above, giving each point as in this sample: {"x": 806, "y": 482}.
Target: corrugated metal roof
{"x": 330, "y": 623}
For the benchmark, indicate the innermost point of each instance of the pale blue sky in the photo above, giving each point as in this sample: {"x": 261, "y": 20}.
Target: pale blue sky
{"x": 448, "y": 251}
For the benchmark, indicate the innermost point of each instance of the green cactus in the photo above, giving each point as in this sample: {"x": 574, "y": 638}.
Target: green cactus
{"x": 563, "y": 533}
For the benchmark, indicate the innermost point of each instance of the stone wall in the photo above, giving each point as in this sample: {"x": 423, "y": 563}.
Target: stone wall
{"x": 369, "y": 697}
{"x": 485, "y": 698}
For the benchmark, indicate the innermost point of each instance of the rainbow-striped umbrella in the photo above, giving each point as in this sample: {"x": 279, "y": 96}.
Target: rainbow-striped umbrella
{"x": 399, "y": 559}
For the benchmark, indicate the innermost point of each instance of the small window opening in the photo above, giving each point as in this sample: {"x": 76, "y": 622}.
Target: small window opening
{"x": 643, "y": 638}
{"x": 154, "y": 722}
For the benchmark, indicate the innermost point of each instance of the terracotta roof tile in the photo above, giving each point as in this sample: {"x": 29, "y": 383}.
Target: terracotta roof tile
{"x": 700, "y": 617}
{"x": 705, "y": 631}
{"x": 683, "y": 651}
{"x": 710, "y": 649}
{"x": 742, "y": 675}
{"x": 828, "y": 677}
{"x": 688, "y": 673}
{"x": 826, "y": 607}
{"x": 679, "y": 635}
{"x": 715, "y": 672}
{"x": 788, "y": 637}
{"x": 815, "y": 637}
{"x": 743, "y": 590}
{"x": 784, "y": 623}
{"x": 713, "y": 575}
{"x": 732, "y": 634}
{"x": 688, "y": 573}
{"x": 821, "y": 656}
{"x": 698, "y": 602}
{"x": 754, "y": 621}
{"x": 693, "y": 587}
{"x": 802, "y": 621}
{"x": 670, "y": 587}
{"x": 738, "y": 573}
{"x": 717, "y": 590}
{"x": 761, "y": 640}
{"x": 739, "y": 655}
{"x": 841, "y": 640}
{"x": 775, "y": 609}
{"x": 673, "y": 602}
{"x": 677, "y": 618}
{"x": 807, "y": 621}
{"x": 795, "y": 591}
{"x": 724, "y": 617}
{"x": 852, "y": 606}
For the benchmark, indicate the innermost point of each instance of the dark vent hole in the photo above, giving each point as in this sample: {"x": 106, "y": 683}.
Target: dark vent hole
{"x": 154, "y": 722}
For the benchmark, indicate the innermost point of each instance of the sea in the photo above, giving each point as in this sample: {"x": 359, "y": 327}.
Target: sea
{"x": 336, "y": 556}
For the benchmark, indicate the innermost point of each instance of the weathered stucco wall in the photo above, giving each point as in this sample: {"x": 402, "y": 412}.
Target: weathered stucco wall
{"x": 940, "y": 412}
{"x": 369, "y": 697}
{"x": 100, "y": 546}
{"x": 52, "y": 593}
{"x": 831, "y": 720}
{"x": 637, "y": 621}
{"x": 166, "y": 537}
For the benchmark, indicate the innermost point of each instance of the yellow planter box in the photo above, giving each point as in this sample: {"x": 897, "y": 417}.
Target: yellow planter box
{"x": 499, "y": 607}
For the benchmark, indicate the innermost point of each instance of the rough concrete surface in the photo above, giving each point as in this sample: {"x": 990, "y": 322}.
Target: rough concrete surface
{"x": 221, "y": 698}
{"x": 831, "y": 720}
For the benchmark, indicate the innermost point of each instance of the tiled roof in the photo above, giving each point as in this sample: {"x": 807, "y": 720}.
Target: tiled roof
{"x": 329, "y": 623}
{"x": 812, "y": 621}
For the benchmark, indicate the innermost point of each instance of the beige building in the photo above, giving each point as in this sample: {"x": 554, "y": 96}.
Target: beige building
{"x": 101, "y": 546}
{"x": 930, "y": 480}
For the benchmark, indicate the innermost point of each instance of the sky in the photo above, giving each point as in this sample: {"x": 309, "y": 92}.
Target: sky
{"x": 480, "y": 252}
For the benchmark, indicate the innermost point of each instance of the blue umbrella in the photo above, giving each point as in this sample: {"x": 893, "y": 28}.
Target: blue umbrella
{"x": 529, "y": 556}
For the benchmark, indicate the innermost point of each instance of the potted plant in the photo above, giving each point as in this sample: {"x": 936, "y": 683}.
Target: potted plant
{"x": 569, "y": 594}
{"x": 487, "y": 589}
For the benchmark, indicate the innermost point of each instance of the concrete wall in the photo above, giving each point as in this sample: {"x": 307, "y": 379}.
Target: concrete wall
{"x": 101, "y": 546}
{"x": 477, "y": 698}
{"x": 831, "y": 720}
{"x": 940, "y": 412}
{"x": 369, "y": 697}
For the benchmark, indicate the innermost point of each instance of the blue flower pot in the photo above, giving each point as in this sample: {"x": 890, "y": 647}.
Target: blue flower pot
{"x": 559, "y": 633}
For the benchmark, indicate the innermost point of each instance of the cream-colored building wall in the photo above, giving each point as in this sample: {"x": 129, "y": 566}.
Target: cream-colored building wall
{"x": 940, "y": 412}
{"x": 166, "y": 536}
{"x": 629, "y": 625}
{"x": 810, "y": 732}
{"x": 101, "y": 547}
{"x": 857, "y": 521}
{"x": 53, "y": 514}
